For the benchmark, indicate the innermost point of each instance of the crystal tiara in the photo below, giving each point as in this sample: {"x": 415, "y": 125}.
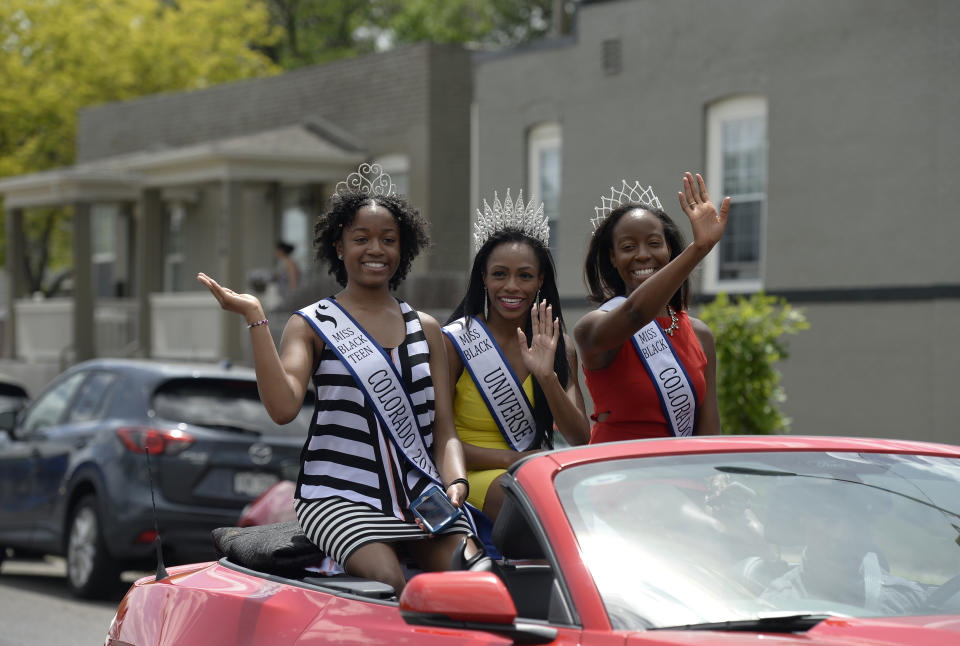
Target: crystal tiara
{"x": 369, "y": 179}
{"x": 528, "y": 218}
{"x": 626, "y": 194}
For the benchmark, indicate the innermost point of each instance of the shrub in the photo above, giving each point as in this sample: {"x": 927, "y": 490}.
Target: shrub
{"x": 749, "y": 338}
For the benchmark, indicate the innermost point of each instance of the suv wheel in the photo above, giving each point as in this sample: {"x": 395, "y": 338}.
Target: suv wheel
{"x": 90, "y": 570}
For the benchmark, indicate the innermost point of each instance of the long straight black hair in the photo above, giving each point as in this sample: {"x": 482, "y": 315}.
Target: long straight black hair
{"x": 474, "y": 300}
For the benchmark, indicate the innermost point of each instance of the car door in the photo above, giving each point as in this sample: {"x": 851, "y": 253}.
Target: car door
{"x": 32, "y": 463}
{"x": 68, "y": 439}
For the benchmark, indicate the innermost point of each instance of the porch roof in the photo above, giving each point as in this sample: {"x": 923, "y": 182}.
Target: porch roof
{"x": 300, "y": 153}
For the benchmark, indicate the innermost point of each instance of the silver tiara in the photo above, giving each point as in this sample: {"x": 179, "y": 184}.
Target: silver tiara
{"x": 369, "y": 179}
{"x": 515, "y": 215}
{"x": 625, "y": 195}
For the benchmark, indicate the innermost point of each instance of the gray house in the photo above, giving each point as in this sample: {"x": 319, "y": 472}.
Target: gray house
{"x": 833, "y": 126}
{"x": 173, "y": 184}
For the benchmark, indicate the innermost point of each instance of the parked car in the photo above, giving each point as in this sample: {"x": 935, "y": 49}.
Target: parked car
{"x": 74, "y": 476}
{"x": 13, "y": 398}
{"x": 710, "y": 540}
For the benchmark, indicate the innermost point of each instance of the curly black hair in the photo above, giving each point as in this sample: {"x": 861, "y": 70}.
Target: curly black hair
{"x": 340, "y": 213}
{"x": 602, "y": 279}
{"x": 475, "y": 298}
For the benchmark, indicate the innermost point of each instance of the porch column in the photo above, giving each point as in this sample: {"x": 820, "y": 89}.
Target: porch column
{"x": 148, "y": 270}
{"x": 17, "y": 278}
{"x": 83, "y": 299}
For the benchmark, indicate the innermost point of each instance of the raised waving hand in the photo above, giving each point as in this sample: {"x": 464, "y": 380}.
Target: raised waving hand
{"x": 707, "y": 222}
{"x": 538, "y": 358}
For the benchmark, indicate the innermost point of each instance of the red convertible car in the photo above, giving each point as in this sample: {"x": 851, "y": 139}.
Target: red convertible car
{"x": 722, "y": 540}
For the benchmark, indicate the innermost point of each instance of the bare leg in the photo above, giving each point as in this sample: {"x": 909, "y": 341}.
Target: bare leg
{"x": 494, "y": 500}
{"x": 377, "y": 561}
{"x": 434, "y": 554}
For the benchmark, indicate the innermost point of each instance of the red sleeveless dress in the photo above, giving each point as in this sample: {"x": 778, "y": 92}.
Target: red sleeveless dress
{"x": 625, "y": 391}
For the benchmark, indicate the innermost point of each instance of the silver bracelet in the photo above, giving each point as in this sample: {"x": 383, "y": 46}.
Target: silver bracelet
{"x": 253, "y": 325}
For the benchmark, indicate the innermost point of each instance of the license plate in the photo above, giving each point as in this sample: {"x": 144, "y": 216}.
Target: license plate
{"x": 252, "y": 483}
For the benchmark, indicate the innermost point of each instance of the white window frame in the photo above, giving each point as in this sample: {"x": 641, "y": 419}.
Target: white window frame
{"x": 542, "y": 137}
{"x": 738, "y": 107}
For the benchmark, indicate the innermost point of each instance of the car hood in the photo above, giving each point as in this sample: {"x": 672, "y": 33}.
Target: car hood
{"x": 836, "y": 631}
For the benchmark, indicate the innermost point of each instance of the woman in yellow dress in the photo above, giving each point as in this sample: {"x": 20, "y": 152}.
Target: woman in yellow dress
{"x": 512, "y": 367}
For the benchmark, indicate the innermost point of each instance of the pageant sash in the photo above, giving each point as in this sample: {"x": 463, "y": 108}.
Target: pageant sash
{"x": 377, "y": 378}
{"x": 499, "y": 386}
{"x": 678, "y": 398}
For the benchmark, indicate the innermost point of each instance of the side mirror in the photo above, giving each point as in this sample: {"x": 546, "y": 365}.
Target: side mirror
{"x": 468, "y": 601}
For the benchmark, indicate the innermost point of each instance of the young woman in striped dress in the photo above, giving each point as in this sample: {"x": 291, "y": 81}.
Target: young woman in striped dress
{"x": 360, "y": 468}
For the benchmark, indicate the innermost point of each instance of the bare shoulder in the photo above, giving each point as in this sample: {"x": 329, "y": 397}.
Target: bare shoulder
{"x": 586, "y": 322}
{"x": 430, "y": 325}
{"x": 298, "y": 328}
{"x": 704, "y": 334}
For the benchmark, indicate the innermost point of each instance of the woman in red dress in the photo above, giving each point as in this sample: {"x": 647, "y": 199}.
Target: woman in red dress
{"x": 650, "y": 368}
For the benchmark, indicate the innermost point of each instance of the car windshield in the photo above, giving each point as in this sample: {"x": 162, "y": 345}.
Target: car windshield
{"x": 694, "y": 539}
{"x": 229, "y": 404}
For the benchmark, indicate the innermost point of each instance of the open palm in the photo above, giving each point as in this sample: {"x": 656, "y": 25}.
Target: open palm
{"x": 539, "y": 356}
{"x": 706, "y": 221}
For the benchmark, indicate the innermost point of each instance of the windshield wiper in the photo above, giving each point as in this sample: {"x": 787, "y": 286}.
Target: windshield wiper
{"x": 767, "y": 624}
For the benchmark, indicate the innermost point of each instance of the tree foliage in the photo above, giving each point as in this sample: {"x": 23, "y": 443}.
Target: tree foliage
{"x": 316, "y": 31}
{"x": 749, "y": 336}
{"x": 58, "y": 56}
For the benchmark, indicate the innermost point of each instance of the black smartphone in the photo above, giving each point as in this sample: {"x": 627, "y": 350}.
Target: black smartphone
{"x": 434, "y": 509}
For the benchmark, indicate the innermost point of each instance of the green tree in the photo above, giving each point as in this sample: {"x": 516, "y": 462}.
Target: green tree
{"x": 317, "y": 31}
{"x": 58, "y": 56}
{"x": 749, "y": 334}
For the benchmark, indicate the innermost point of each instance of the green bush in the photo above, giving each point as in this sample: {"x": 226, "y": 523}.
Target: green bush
{"x": 749, "y": 337}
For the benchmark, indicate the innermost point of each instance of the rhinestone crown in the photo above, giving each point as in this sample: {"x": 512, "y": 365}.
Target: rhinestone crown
{"x": 626, "y": 194}
{"x": 528, "y": 218}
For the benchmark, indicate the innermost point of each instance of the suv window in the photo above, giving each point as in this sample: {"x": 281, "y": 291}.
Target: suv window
{"x": 92, "y": 399}
{"x": 49, "y": 407}
{"x": 229, "y": 404}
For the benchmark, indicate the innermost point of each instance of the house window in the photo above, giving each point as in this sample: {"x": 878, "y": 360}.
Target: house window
{"x": 544, "y": 150}
{"x": 737, "y": 166}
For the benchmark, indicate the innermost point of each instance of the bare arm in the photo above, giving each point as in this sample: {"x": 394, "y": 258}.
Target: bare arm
{"x": 599, "y": 334}
{"x": 476, "y": 457}
{"x": 708, "y": 415}
{"x": 282, "y": 377}
{"x": 447, "y": 450}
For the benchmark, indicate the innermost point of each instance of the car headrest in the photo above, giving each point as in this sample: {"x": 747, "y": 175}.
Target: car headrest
{"x": 512, "y": 535}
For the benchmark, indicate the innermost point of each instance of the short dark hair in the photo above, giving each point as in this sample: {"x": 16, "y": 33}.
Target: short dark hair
{"x": 602, "y": 278}
{"x": 473, "y": 302}
{"x": 340, "y": 213}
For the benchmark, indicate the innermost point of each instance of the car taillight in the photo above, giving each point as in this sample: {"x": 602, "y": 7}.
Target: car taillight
{"x": 159, "y": 441}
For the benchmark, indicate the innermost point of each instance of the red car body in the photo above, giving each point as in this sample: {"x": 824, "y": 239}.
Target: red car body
{"x": 219, "y": 603}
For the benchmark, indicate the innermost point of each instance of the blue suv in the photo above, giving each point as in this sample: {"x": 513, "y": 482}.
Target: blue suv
{"x": 73, "y": 470}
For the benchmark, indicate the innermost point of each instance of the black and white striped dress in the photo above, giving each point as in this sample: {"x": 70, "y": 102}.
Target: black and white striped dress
{"x": 355, "y": 487}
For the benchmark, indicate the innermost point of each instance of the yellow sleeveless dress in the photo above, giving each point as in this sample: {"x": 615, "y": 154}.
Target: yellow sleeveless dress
{"x": 475, "y": 425}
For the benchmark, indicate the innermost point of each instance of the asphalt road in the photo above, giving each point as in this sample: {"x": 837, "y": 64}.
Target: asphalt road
{"x": 36, "y": 607}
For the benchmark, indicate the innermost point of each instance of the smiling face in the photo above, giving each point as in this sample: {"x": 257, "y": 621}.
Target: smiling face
{"x": 370, "y": 246}
{"x": 639, "y": 247}
{"x": 512, "y": 278}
